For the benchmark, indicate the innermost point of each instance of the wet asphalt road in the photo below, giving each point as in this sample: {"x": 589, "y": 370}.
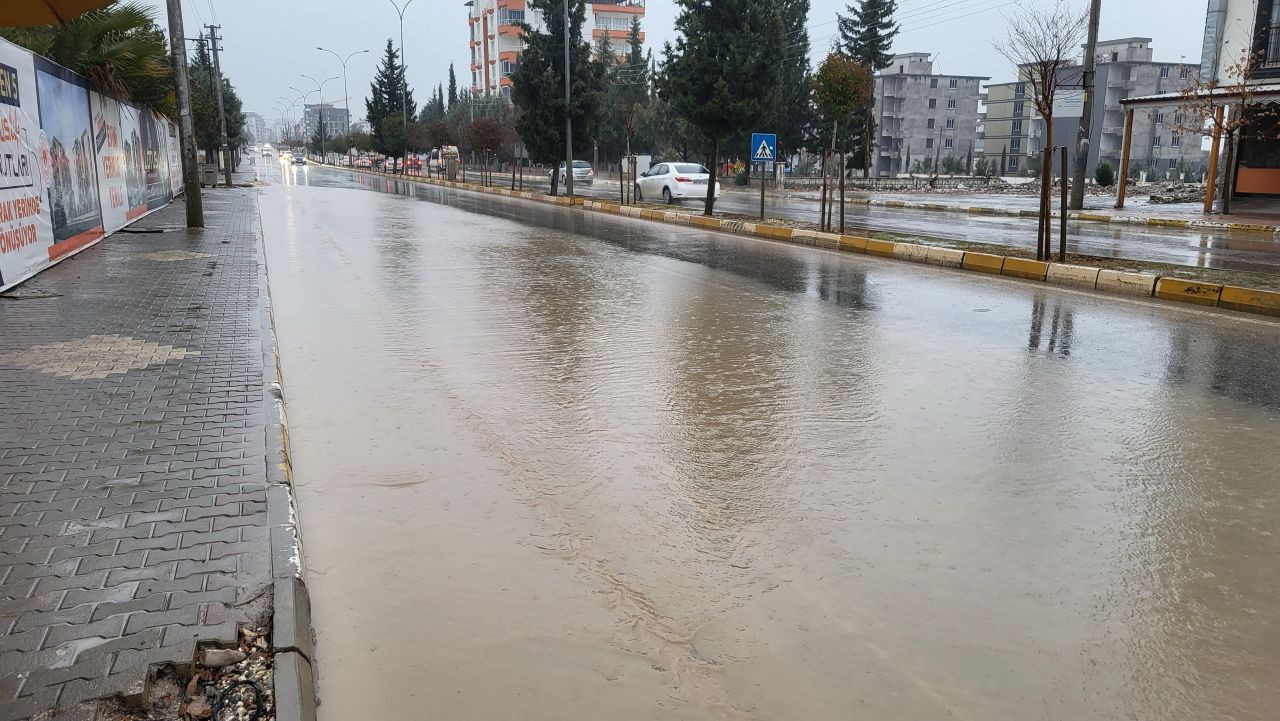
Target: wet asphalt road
{"x": 1237, "y": 250}
{"x": 555, "y": 465}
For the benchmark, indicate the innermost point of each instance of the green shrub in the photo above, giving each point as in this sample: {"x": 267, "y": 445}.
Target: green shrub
{"x": 742, "y": 178}
{"x": 1105, "y": 175}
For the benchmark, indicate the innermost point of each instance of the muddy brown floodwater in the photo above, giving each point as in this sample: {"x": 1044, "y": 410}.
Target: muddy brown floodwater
{"x": 562, "y": 467}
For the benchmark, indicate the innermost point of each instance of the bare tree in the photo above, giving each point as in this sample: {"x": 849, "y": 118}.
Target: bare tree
{"x": 1044, "y": 45}
{"x": 1224, "y": 111}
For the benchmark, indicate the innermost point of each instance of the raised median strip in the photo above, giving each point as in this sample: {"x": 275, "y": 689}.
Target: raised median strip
{"x": 1246, "y": 300}
{"x": 1085, "y": 216}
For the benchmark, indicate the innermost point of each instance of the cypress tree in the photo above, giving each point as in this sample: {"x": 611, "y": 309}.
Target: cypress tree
{"x": 722, "y": 74}
{"x": 538, "y": 85}
{"x": 384, "y": 101}
{"x": 795, "y": 109}
{"x": 453, "y": 86}
{"x": 866, "y": 35}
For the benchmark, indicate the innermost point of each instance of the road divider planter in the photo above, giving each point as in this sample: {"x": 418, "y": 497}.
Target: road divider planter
{"x": 1248, "y": 300}
{"x": 1188, "y": 291}
{"x": 1026, "y": 269}
{"x": 1118, "y": 281}
{"x": 1076, "y": 276}
{"x": 983, "y": 263}
{"x": 881, "y": 248}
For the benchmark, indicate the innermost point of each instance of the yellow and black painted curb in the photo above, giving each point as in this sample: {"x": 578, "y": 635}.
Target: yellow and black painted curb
{"x": 1146, "y": 285}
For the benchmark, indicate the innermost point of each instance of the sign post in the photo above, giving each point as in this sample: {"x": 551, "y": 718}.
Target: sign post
{"x": 764, "y": 150}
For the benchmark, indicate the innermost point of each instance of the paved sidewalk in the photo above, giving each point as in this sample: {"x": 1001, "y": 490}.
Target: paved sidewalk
{"x": 133, "y": 516}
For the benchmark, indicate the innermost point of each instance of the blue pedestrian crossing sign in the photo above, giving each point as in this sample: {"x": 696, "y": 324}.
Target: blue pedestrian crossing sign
{"x": 764, "y": 147}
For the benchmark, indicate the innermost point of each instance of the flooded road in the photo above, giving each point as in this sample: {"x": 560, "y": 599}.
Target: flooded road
{"x": 561, "y": 466}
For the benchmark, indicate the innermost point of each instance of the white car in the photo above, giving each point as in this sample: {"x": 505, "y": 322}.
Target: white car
{"x": 674, "y": 181}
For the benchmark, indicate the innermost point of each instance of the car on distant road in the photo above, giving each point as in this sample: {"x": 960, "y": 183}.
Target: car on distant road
{"x": 299, "y": 157}
{"x": 674, "y": 181}
{"x": 582, "y": 173}
{"x": 266, "y": 152}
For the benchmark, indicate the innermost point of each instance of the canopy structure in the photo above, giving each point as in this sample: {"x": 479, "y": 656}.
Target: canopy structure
{"x": 22, "y": 13}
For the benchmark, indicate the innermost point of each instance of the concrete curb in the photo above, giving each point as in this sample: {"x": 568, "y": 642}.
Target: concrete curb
{"x": 1084, "y": 215}
{"x": 293, "y": 644}
{"x": 1246, "y": 300}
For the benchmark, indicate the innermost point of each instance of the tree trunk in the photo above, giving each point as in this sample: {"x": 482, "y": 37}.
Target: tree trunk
{"x": 866, "y": 143}
{"x": 1229, "y": 172}
{"x": 710, "y": 208}
{"x": 822, "y": 199}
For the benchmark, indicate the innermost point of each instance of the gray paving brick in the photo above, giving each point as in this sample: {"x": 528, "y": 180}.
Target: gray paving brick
{"x": 186, "y": 616}
{"x": 149, "y": 603}
{"x": 42, "y": 619}
{"x": 222, "y": 565}
{"x": 107, "y": 486}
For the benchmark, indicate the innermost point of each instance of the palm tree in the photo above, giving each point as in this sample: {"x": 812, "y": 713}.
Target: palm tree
{"x": 119, "y": 48}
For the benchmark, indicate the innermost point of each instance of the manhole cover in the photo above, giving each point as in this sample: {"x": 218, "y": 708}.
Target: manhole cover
{"x": 95, "y": 357}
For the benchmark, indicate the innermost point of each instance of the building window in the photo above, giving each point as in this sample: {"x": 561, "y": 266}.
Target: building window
{"x": 933, "y": 82}
{"x": 955, "y": 83}
{"x": 1018, "y": 108}
{"x": 1164, "y": 71}
{"x": 951, "y": 123}
{"x": 951, "y": 102}
{"x": 507, "y": 16}
{"x": 949, "y": 143}
{"x": 1173, "y": 163}
{"x": 1185, "y": 72}
{"x": 1267, "y": 33}
{"x": 1155, "y": 141}
{"x": 931, "y": 123}
{"x": 1159, "y": 117}
{"x": 1015, "y": 144}
{"x": 1017, "y": 127}
{"x": 933, "y": 103}
{"x": 1013, "y": 163}
{"x": 1175, "y": 141}
{"x": 928, "y": 143}
{"x": 1020, "y": 90}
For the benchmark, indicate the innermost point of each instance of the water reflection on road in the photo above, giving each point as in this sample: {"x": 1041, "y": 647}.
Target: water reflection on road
{"x": 555, "y": 465}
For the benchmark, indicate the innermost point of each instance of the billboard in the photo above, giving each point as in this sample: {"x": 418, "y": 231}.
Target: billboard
{"x": 75, "y": 164}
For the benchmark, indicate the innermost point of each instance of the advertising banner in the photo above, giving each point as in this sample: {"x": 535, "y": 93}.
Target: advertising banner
{"x": 155, "y": 158}
{"x": 74, "y": 164}
{"x": 112, "y": 145}
{"x": 25, "y": 232}
{"x": 73, "y": 190}
{"x": 175, "y": 161}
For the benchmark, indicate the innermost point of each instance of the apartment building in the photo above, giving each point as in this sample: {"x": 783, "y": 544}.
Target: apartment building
{"x": 335, "y": 119}
{"x": 1007, "y": 137}
{"x": 496, "y": 41}
{"x": 924, "y": 117}
{"x": 1125, "y": 68}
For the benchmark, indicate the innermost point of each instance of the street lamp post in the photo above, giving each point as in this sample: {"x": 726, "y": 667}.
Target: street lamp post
{"x": 346, "y": 99}
{"x": 320, "y": 108}
{"x": 404, "y": 85}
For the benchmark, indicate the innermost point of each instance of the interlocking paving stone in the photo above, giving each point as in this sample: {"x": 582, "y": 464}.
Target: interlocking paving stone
{"x": 132, "y": 451}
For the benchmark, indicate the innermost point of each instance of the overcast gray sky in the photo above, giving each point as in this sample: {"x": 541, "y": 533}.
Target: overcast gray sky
{"x": 271, "y": 43}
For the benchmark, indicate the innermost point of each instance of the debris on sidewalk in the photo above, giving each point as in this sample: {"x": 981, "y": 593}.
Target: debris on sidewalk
{"x": 226, "y": 684}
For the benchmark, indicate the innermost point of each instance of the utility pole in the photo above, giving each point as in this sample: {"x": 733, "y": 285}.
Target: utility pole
{"x": 222, "y": 113}
{"x": 1086, "y": 120}
{"x": 186, "y": 132}
{"x": 568, "y": 111}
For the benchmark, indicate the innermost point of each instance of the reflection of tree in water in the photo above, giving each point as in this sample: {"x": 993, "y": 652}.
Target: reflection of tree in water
{"x": 1059, "y": 331}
